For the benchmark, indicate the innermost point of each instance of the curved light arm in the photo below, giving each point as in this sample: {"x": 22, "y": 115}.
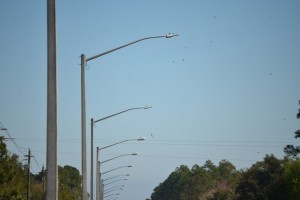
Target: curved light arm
{"x": 125, "y": 179}
{"x": 111, "y": 195}
{"x": 120, "y": 47}
{"x": 116, "y": 169}
{"x": 116, "y": 176}
{"x": 132, "y": 154}
{"x": 146, "y": 107}
{"x": 119, "y": 186}
{"x": 113, "y": 190}
{"x": 139, "y": 139}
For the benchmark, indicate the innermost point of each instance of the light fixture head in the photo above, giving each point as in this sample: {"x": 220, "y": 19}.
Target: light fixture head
{"x": 141, "y": 139}
{"x": 171, "y": 35}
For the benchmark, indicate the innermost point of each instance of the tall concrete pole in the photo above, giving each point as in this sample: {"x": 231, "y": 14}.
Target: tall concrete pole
{"x": 83, "y": 129}
{"x": 51, "y": 186}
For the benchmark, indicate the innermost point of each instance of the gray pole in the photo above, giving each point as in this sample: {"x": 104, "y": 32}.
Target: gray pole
{"x": 92, "y": 158}
{"x": 102, "y": 189}
{"x": 51, "y": 103}
{"x": 83, "y": 129}
{"x": 97, "y": 176}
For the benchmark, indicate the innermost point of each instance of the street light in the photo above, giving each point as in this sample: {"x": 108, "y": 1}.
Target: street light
{"x": 124, "y": 179}
{"x": 98, "y": 164}
{"x": 129, "y": 154}
{"x": 116, "y": 177}
{"x": 84, "y": 60}
{"x": 116, "y": 169}
{"x": 111, "y": 195}
{"x": 92, "y": 141}
{"x": 112, "y": 190}
{"x": 98, "y": 188}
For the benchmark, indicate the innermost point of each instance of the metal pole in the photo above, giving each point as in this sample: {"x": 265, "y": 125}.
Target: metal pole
{"x": 102, "y": 189}
{"x": 83, "y": 129}
{"x": 92, "y": 158}
{"x": 97, "y": 176}
{"x": 51, "y": 103}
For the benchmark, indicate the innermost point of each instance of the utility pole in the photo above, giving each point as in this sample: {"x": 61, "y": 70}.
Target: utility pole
{"x": 43, "y": 178}
{"x": 28, "y": 173}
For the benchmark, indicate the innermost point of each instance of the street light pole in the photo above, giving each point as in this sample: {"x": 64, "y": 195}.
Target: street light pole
{"x": 83, "y": 129}
{"x": 84, "y": 60}
{"x": 92, "y": 143}
{"x": 51, "y": 192}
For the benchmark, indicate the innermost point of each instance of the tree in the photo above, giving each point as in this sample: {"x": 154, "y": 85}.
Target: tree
{"x": 206, "y": 182}
{"x": 69, "y": 182}
{"x": 173, "y": 186}
{"x": 225, "y": 179}
{"x": 264, "y": 180}
{"x": 292, "y": 179}
{"x": 291, "y": 150}
{"x": 12, "y": 174}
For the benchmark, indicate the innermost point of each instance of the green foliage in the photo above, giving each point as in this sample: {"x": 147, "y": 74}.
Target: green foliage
{"x": 69, "y": 182}
{"x": 12, "y": 175}
{"x": 13, "y": 179}
{"x": 206, "y": 182}
{"x": 270, "y": 179}
{"x": 292, "y": 179}
{"x": 291, "y": 150}
{"x": 264, "y": 180}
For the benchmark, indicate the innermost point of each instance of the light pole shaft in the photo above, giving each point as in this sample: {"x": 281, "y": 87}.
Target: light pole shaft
{"x": 51, "y": 191}
{"x": 92, "y": 159}
{"x": 83, "y": 129}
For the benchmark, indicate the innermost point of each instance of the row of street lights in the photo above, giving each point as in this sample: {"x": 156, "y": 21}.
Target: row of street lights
{"x": 93, "y": 122}
{"x": 99, "y": 185}
{"x": 84, "y": 61}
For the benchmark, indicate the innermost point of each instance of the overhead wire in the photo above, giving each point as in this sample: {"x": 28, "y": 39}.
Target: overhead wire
{"x": 18, "y": 147}
{"x": 13, "y": 140}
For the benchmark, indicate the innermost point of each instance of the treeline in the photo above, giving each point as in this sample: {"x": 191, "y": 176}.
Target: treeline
{"x": 14, "y": 174}
{"x": 270, "y": 179}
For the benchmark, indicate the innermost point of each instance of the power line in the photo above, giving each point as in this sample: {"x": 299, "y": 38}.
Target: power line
{"x": 13, "y": 140}
{"x": 37, "y": 164}
{"x": 18, "y": 147}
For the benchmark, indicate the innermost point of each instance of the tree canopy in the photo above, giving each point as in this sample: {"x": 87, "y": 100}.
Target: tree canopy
{"x": 271, "y": 178}
{"x": 13, "y": 179}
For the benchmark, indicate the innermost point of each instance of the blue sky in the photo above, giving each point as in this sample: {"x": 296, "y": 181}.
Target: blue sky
{"x": 226, "y": 88}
